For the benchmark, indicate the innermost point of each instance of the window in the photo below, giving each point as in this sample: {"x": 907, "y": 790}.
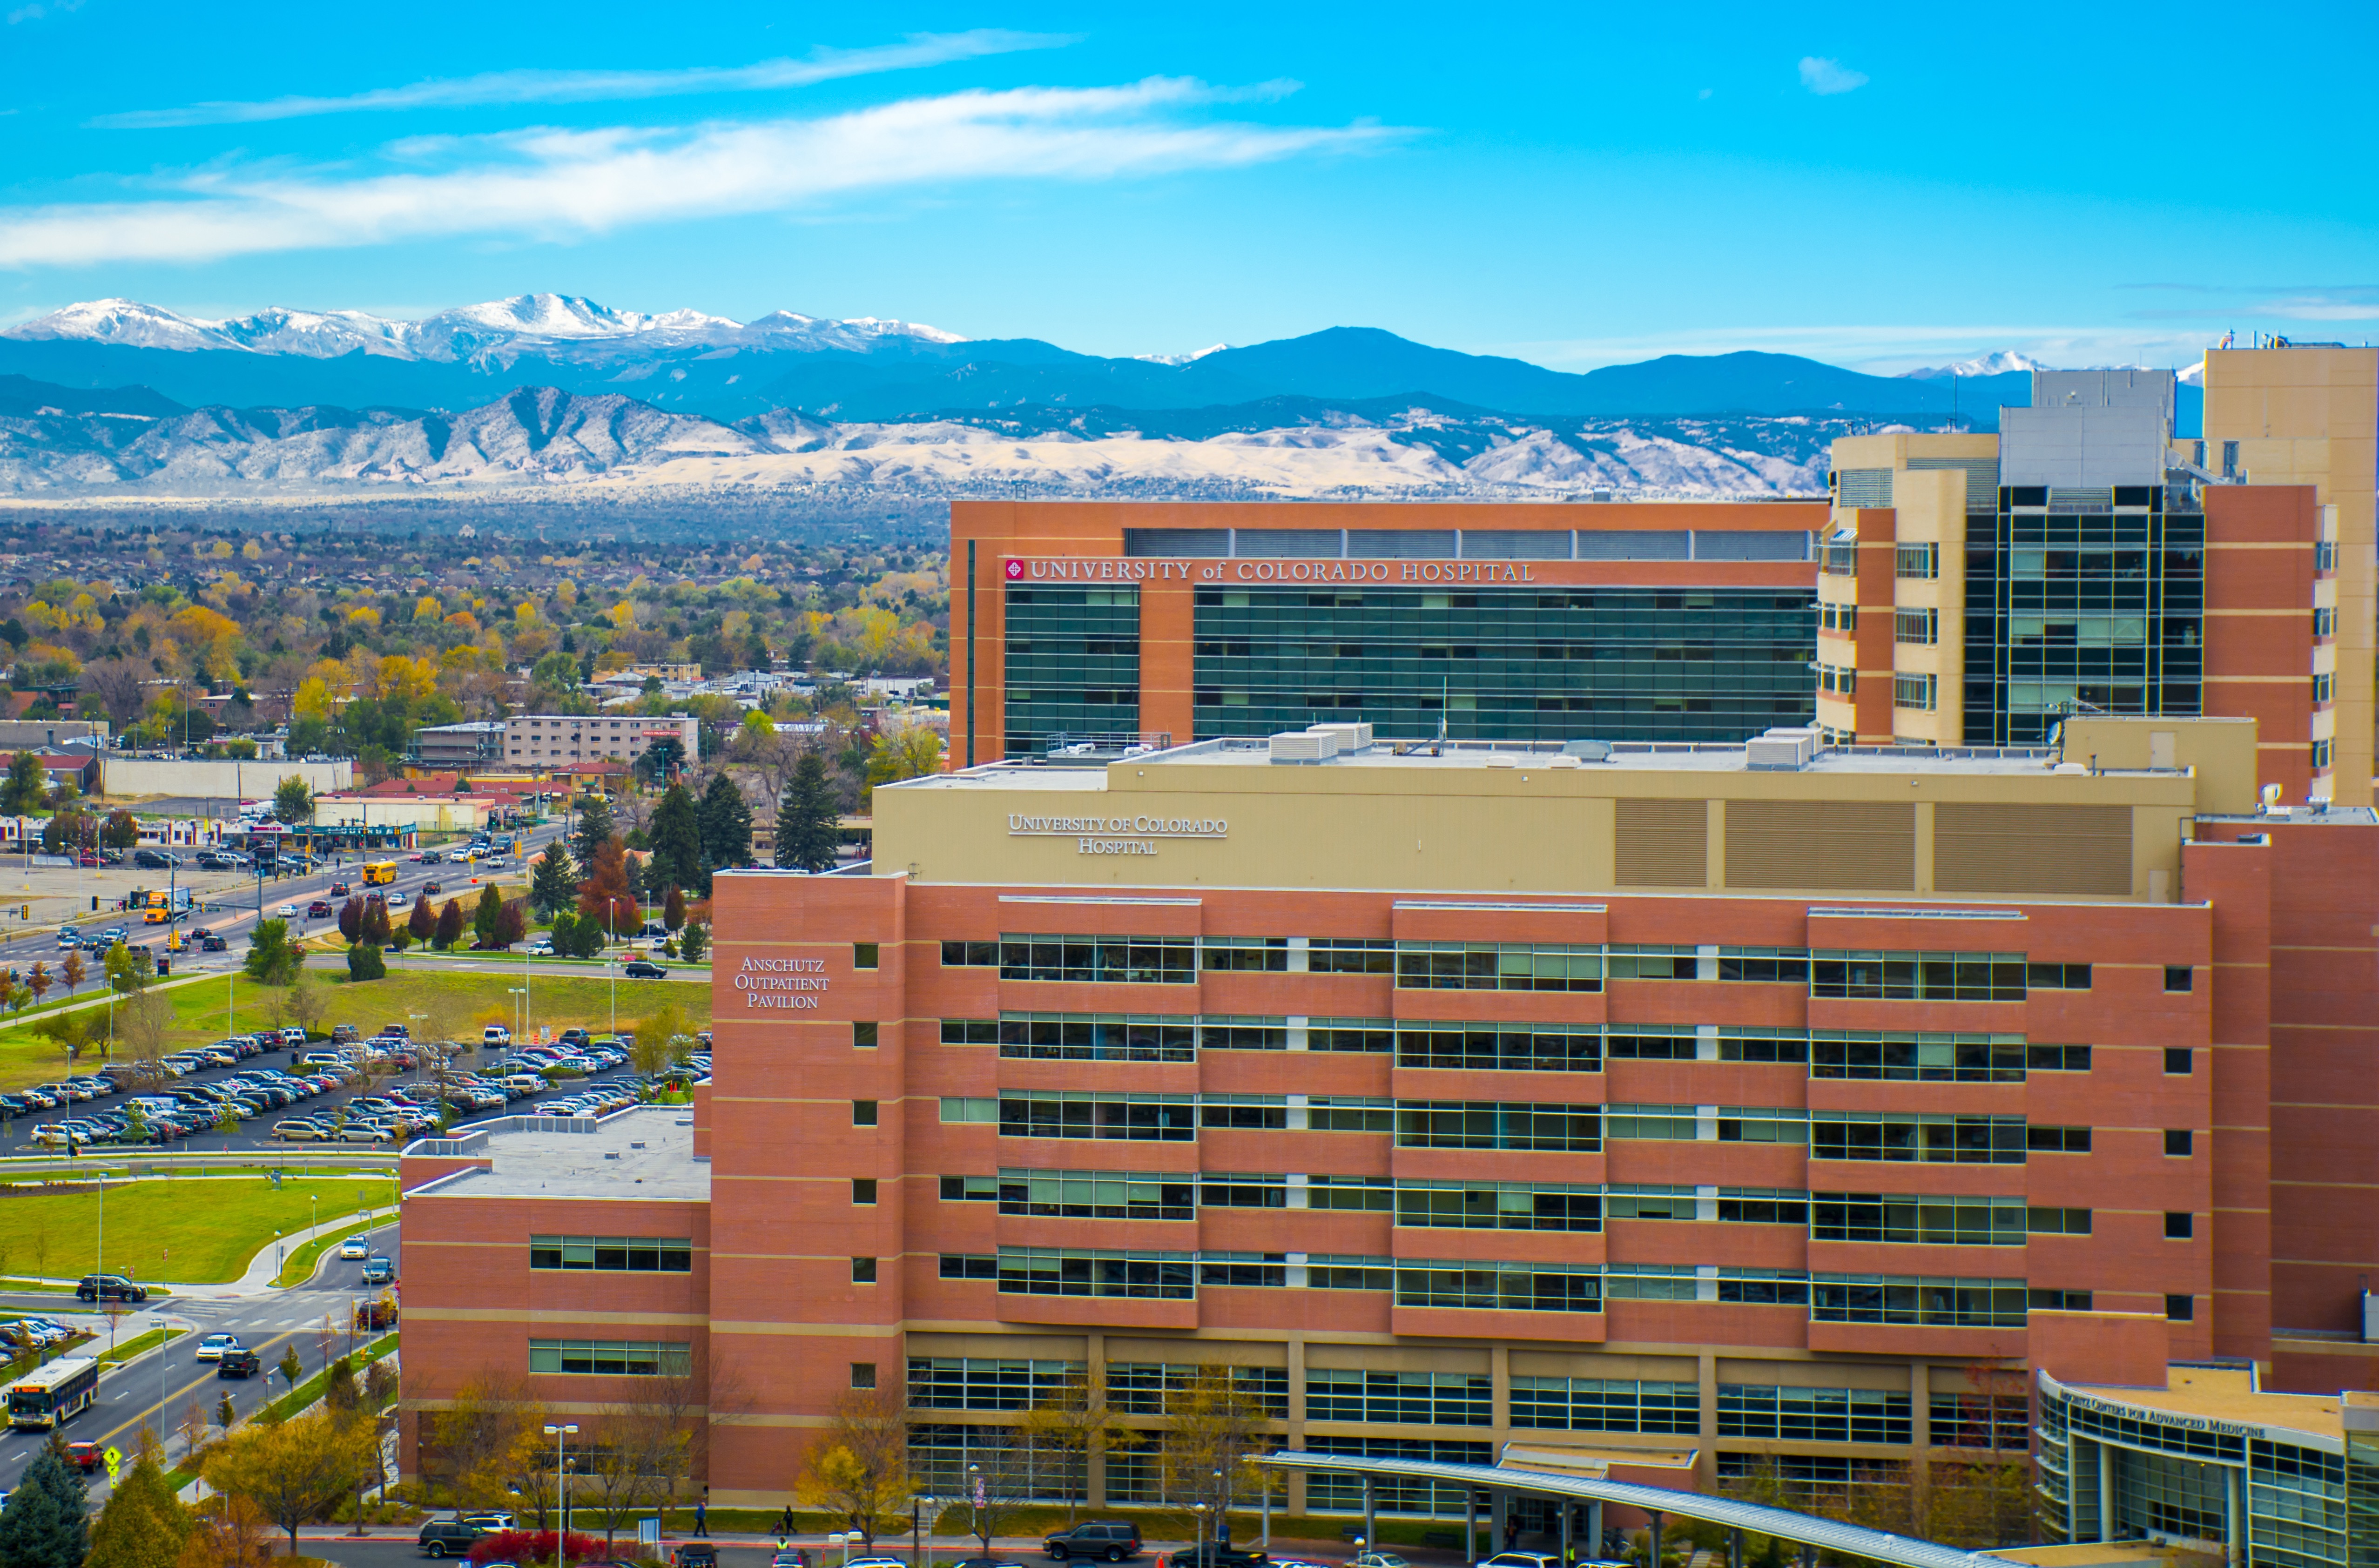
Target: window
{"x": 1941, "y": 1059}
{"x": 1759, "y": 1206}
{"x": 968, "y": 1382}
{"x": 2325, "y": 622}
{"x": 1933, "y": 1220}
{"x": 2057, "y": 1221}
{"x": 970, "y": 1031}
{"x": 863, "y": 1189}
{"x": 1351, "y": 1193}
{"x": 2324, "y": 755}
{"x": 1253, "y": 954}
{"x": 863, "y": 1271}
{"x": 2057, "y": 977}
{"x": 2179, "y": 1142}
{"x": 1497, "y": 1205}
{"x": 1442, "y": 1399}
{"x": 1097, "y": 1037}
{"x": 970, "y": 1189}
{"x": 970, "y": 955}
{"x": 1837, "y": 616}
{"x": 1133, "y": 960}
{"x": 2323, "y": 689}
{"x": 1916, "y": 560}
{"x": 1350, "y": 1035}
{"x": 1914, "y": 1137}
{"x": 1350, "y": 954}
{"x": 2057, "y": 1139}
{"x": 1500, "y": 1047}
{"x": 1141, "y": 1388}
{"x": 1951, "y": 1303}
{"x": 862, "y": 1374}
{"x": 1168, "y": 1118}
{"x": 862, "y": 1035}
{"x": 1918, "y": 977}
{"x": 1052, "y": 1270}
{"x": 1098, "y": 1195}
{"x": 1497, "y": 966}
{"x": 612, "y": 1254}
{"x": 2056, "y": 1058}
{"x": 2179, "y": 977}
{"x": 2059, "y": 1300}
{"x": 862, "y": 1113}
{"x": 2180, "y": 1060}
{"x": 610, "y": 1357}
{"x": 956, "y": 1266}
{"x": 2179, "y": 1224}
{"x": 1839, "y": 680}
{"x": 1606, "y": 1404}
{"x": 1814, "y": 1414}
{"x": 2180, "y": 1308}
{"x": 1920, "y": 626}
{"x": 864, "y": 954}
{"x": 1981, "y": 1420}
{"x": 1518, "y": 1287}
{"x": 1453, "y": 1124}
{"x": 969, "y": 1108}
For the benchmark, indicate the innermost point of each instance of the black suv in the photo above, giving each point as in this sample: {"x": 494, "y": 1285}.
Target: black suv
{"x": 454, "y": 1537}
{"x": 110, "y": 1288}
{"x": 238, "y": 1364}
{"x": 1110, "y": 1540}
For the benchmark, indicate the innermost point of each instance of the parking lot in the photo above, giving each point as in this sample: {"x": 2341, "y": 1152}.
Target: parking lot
{"x": 399, "y": 1099}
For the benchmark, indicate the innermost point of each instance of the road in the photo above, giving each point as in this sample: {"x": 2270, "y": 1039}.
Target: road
{"x": 157, "y": 1388}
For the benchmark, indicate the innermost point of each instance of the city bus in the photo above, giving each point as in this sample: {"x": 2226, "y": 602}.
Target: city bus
{"x": 51, "y": 1396}
{"x": 378, "y": 874}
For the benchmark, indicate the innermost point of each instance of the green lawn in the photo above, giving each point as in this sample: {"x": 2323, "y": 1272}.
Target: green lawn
{"x": 209, "y": 1010}
{"x": 199, "y": 1231}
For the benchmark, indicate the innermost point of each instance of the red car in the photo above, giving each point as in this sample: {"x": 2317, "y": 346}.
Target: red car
{"x": 85, "y": 1456}
{"x": 318, "y": 910}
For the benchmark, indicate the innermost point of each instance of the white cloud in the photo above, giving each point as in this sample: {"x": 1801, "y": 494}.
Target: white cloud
{"x": 582, "y": 87}
{"x": 1826, "y": 77}
{"x": 564, "y": 183}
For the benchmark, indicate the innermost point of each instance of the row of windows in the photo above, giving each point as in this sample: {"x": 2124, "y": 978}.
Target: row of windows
{"x": 1517, "y": 966}
{"x": 610, "y": 1358}
{"x": 612, "y": 1254}
{"x": 1531, "y": 1287}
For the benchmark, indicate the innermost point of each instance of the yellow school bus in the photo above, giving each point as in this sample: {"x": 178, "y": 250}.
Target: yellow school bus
{"x": 379, "y": 874}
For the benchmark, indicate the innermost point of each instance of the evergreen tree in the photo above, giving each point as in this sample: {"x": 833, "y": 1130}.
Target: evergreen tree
{"x": 143, "y": 1524}
{"x": 46, "y": 1523}
{"x": 484, "y": 918}
{"x": 726, "y": 819}
{"x": 272, "y": 957}
{"x": 553, "y": 885}
{"x": 351, "y": 919}
{"x": 375, "y": 922}
{"x": 677, "y": 842}
{"x": 565, "y": 934}
{"x": 693, "y": 943}
{"x": 450, "y": 924}
{"x": 595, "y": 828}
{"x": 672, "y": 910}
{"x": 363, "y": 962}
{"x": 806, "y": 830}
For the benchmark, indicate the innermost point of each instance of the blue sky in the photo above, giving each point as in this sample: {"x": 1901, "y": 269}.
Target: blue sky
{"x": 1576, "y": 184}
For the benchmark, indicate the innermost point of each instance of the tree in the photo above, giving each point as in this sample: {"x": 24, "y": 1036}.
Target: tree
{"x": 1073, "y": 1420}
{"x": 292, "y": 803}
{"x": 306, "y": 1004}
{"x": 74, "y": 971}
{"x": 122, "y": 831}
{"x": 474, "y": 1447}
{"x": 653, "y": 1048}
{"x": 552, "y": 883}
{"x": 351, "y": 919}
{"x": 664, "y": 758}
{"x": 858, "y": 1471}
{"x": 143, "y": 1022}
{"x": 272, "y": 958}
{"x": 127, "y": 971}
{"x": 292, "y": 1470}
{"x": 512, "y": 922}
{"x": 595, "y": 828}
{"x": 807, "y": 830}
{"x": 672, "y": 910}
{"x": 376, "y": 926}
{"x": 26, "y": 784}
{"x": 485, "y": 916}
{"x": 421, "y": 920}
{"x": 692, "y": 943}
{"x": 48, "y": 1521}
{"x": 1217, "y": 1429}
{"x": 905, "y": 751}
{"x": 39, "y": 981}
{"x": 605, "y": 897}
{"x": 365, "y": 963}
{"x": 450, "y": 924}
{"x": 628, "y": 1472}
{"x": 725, "y": 818}
{"x": 677, "y": 841}
{"x": 143, "y": 1526}
{"x": 69, "y": 1031}
{"x": 228, "y": 1532}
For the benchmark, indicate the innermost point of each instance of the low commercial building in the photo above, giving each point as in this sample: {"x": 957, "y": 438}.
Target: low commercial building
{"x": 1733, "y": 1114}
{"x": 470, "y": 745}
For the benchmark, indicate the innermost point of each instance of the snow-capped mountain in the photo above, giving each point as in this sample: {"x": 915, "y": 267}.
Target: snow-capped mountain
{"x": 2004, "y": 362}
{"x": 1190, "y": 359}
{"x": 528, "y": 323}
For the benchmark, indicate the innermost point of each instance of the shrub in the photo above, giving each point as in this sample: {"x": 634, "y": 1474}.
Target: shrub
{"x": 363, "y": 962}
{"x": 533, "y": 1546}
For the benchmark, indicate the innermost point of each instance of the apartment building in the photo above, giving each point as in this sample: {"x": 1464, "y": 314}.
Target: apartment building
{"x": 552, "y": 740}
{"x": 1975, "y": 588}
{"x": 1092, "y": 626}
{"x": 1767, "y": 1109}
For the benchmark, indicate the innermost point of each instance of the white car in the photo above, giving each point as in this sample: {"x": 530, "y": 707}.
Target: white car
{"x": 355, "y": 1247}
{"x": 541, "y": 948}
{"x": 212, "y": 1348}
{"x": 495, "y": 1034}
{"x": 287, "y": 911}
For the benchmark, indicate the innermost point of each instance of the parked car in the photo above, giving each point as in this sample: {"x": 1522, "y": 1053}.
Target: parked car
{"x": 453, "y": 1536}
{"x": 1110, "y": 1541}
{"x": 154, "y": 860}
{"x": 110, "y": 1288}
{"x": 497, "y": 1035}
{"x": 695, "y": 1554}
{"x": 643, "y": 969}
{"x": 238, "y": 1364}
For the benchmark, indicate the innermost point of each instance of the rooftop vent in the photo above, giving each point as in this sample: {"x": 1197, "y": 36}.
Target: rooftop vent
{"x": 1781, "y": 751}
{"x": 1587, "y": 751}
{"x": 611, "y": 1154}
{"x": 1304, "y": 746}
{"x": 1352, "y": 737}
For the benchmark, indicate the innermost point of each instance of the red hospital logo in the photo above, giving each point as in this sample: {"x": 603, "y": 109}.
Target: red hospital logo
{"x": 1015, "y": 568}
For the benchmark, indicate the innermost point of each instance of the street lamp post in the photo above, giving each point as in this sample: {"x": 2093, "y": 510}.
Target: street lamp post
{"x": 562, "y": 1491}
{"x": 918, "y": 1509}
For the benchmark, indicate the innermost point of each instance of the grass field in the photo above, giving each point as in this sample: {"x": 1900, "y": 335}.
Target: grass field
{"x": 300, "y": 1266}
{"x": 197, "y": 1232}
{"x": 209, "y": 1010}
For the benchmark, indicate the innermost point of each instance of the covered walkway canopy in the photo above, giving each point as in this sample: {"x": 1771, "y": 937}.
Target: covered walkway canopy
{"x": 1811, "y": 1534}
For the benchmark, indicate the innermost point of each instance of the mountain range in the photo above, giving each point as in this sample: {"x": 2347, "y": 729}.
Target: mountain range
{"x": 115, "y": 397}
